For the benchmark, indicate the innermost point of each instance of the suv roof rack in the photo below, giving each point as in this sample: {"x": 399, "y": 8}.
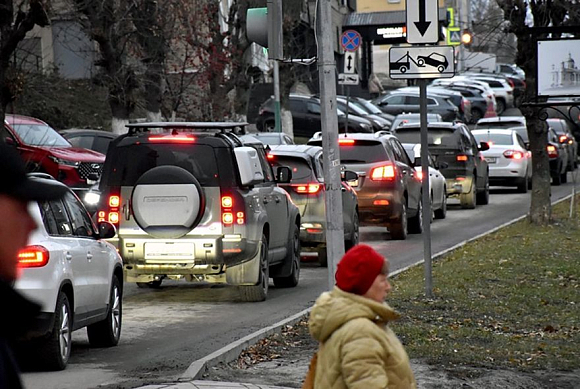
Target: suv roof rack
{"x": 198, "y": 126}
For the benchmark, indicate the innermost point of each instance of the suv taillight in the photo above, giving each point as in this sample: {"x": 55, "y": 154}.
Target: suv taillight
{"x": 306, "y": 188}
{"x": 384, "y": 173}
{"x": 111, "y": 212}
{"x": 33, "y": 256}
{"x": 230, "y": 214}
{"x": 552, "y": 151}
{"x": 461, "y": 158}
{"x": 513, "y": 154}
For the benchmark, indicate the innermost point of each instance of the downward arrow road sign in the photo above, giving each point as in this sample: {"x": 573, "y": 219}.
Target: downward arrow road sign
{"x": 422, "y": 21}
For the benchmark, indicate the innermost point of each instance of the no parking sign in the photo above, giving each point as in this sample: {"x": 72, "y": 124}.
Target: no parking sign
{"x": 350, "y": 40}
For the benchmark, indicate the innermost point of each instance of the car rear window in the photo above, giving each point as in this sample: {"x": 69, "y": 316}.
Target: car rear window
{"x": 502, "y": 124}
{"x": 363, "y": 151}
{"x": 494, "y": 138}
{"x": 301, "y": 171}
{"x": 40, "y": 135}
{"x": 437, "y": 136}
{"x": 129, "y": 163}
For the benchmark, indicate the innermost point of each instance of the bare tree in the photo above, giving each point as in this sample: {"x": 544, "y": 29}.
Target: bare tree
{"x": 16, "y": 19}
{"x": 544, "y": 13}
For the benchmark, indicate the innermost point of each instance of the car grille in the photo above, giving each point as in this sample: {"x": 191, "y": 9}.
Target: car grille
{"x": 86, "y": 168}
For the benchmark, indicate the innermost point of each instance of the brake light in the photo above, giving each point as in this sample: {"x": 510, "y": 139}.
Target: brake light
{"x": 419, "y": 175}
{"x": 461, "y": 158}
{"x": 229, "y": 216}
{"x": 381, "y": 202}
{"x": 172, "y": 139}
{"x": 270, "y": 156}
{"x": 227, "y": 202}
{"x": 563, "y": 138}
{"x": 383, "y": 173}
{"x": 111, "y": 214}
{"x": 513, "y": 154}
{"x": 552, "y": 151}
{"x": 346, "y": 142}
{"x": 33, "y": 256}
{"x": 306, "y": 188}
{"x": 114, "y": 201}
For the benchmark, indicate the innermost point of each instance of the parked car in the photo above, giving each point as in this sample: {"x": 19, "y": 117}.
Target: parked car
{"x": 388, "y": 186}
{"x": 500, "y": 122}
{"x": 510, "y": 70}
{"x": 558, "y": 156}
{"x": 97, "y": 140}
{"x": 195, "y": 201}
{"x": 481, "y": 87}
{"x": 397, "y": 102}
{"x": 354, "y": 108}
{"x": 46, "y": 151}
{"x": 455, "y": 97}
{"x": 74, "y": 274}
{"x": 405, "y": 118}
{"x": 437, "y": 184}
{"x": 565, "y": 136}
{"x": 273, "y": 138}
{"x": 467, "y": 173}
{"x": 504, "y": 92}
{"x": 306, "y": 117}
{"x": 307, "y": 191}
{"x": 509, "y": 161}
{"x": 480, "y": 106}
{"x": 372, "y": 108}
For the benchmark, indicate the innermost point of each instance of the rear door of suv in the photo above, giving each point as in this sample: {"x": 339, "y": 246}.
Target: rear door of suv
{"x": 410, "y": 179}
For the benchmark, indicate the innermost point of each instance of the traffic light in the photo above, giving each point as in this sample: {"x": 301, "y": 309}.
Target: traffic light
{"x": 264, "y": 27}
{"x": 466, "y": 38}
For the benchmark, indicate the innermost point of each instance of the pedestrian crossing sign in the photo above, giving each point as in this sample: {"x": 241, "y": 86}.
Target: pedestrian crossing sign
{"x": 453, "y": 36}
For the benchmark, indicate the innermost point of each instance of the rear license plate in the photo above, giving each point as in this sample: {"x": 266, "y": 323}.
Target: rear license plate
{"x": 491, "y": 159}
{"x": 162, "y": 250}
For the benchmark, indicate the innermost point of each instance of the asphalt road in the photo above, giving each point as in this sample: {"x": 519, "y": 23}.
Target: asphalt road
{"x": 165, "y": 330}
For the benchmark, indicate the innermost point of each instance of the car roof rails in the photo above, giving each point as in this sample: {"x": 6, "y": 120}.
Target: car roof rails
{"x": 231, "y": 138}
{"x": 190, "y": 126}
{"x": 380, "y": 133}
{"x": 41, "y": 175}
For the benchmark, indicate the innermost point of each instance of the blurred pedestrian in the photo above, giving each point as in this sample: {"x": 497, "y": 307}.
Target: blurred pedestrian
{"x": 375, "y": 87}
{"x": 16, "y": 224}
{"x": 357, "y": 348}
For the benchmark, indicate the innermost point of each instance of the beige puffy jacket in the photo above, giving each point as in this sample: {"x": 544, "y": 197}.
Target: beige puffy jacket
{"x": 357, "y": 348}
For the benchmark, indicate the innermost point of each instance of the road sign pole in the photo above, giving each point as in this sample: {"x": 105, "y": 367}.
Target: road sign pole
{"x": 425, "y": 189}
{"x": 328, "y": 113}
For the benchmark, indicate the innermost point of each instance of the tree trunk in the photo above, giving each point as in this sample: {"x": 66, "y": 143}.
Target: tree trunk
{"x": 540, "y": 208}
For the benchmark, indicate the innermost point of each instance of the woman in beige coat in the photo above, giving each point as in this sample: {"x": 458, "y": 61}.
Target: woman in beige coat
{"x": 357, "y": 348}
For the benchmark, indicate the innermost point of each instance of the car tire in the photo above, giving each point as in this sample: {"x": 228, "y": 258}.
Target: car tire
{"x": 322, "y": 256}
{"x": 398, "y": 229}
{"x": 355, "y": 235}
{"x": 441, "y": 213}
{"x": 259, "y": 292}
{"x": 54, "y": 351}
{"x": 476, "y": 114}
{"x": 291, "y": 280}
{"x": 469, "y": 200}
{"x": 269, "y": 126}
{"x": 522, "y": 184}
{"x": 500, "y": 106}
{"x": 556, "y": 179}
{"x": 416, "y": 222}
{"x": 483, "y": 197}
{"x": 107, "y": 332}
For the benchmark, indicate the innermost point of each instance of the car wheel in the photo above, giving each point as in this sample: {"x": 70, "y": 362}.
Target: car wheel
{"x": 398, "y": 229}
{"x": 355, "y": 235}
{"x": 55, "y": 350}
{"x": 416, "y": 222}
{"x": 322, "y": 256}
{"x": 468, "y": 200}
{"x": 483, "y": 197}
{"x": 269, "y": 126}
{"x": 556, "y": 179}
{"x": 500, "y": 106}
{"x": 107, "y": 333}
{"x": 259, "y": 292}
{"x": 441, "y": 213}
{"x": 291, "y": 280}
{"x": 151, "y": 284}
{"x": 476, "y": 114}
{"x": 522, "y": 184}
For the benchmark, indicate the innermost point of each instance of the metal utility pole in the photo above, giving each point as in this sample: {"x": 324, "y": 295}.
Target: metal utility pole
{"x": 425, "y": 189}
{"x": 275, "y": 53}
{"x": 328, "y": 108}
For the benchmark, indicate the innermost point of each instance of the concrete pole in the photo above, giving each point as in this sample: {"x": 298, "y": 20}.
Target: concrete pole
{"x": 328, "y": 108}
{"x": 275, "y": 53}
{"x": 425, "y": 189}
{"x": 277, "y": 108}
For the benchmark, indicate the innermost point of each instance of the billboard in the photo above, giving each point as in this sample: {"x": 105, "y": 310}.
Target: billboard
{"x": 559, "y": 67}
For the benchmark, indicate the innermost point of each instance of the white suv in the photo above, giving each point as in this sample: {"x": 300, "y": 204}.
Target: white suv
{"x": 74, "y": 274}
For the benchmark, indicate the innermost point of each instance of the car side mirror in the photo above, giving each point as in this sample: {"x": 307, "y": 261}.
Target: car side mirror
{"x": 417, "y": 161}
{"x": 349, "y": 175}
{"x": 527, "y": 144}
{"x": 106, "y": 230}
{"x": 283, "y": 175}
{"x": 483, "y": 146}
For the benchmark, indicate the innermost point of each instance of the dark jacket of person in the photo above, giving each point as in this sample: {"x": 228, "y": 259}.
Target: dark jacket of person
{"x": 12, "y": 326}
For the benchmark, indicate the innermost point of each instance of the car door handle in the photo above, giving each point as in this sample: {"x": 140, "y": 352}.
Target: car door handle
{"x": 126, "y": 211}
{"x": 68, "y": 256}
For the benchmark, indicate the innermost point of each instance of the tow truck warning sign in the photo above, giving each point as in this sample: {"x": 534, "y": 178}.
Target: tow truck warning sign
{"x": 421, "y": 62}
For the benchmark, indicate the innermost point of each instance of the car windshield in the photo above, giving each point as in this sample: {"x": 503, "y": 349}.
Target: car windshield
{"x": 40, "y": 135}
{"x": 301, "y": 172}
{"x": 271, "y": 139}
{"x": 494, "y": 138}
{"x": 436, "y": 136}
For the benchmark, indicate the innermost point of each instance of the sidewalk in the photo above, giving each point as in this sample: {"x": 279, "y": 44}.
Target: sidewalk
{"x": 211, "y": 385}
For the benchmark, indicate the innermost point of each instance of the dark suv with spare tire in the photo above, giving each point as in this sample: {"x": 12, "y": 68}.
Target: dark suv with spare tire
{"x": 195, "y": 201}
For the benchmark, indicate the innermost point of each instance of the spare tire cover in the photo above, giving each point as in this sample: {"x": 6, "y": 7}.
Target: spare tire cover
{"x": 167, "y": 202}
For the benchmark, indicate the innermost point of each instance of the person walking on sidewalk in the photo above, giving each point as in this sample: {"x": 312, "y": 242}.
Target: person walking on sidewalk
{"x": 16, "y": 224}
{"x": 375, "y": 87}
{"x": 357, "y": 349}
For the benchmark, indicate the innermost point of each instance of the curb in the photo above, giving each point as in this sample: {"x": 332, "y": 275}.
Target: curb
{"x": 232, "y": 350}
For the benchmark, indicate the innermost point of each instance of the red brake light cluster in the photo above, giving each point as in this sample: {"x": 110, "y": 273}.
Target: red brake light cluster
{"x": 514, "y": 154}
{"x": 419, "y": 175}
{"x": 552, "y": 151}
{"x": 172, "y": 138}
{"x": 462, "y": 158}
{"x": 111, "y": 215}
{"x": 563, "y": 138}
{"x": 306, "y": 188}
{"x": 229, "y": 215}
{"x": 346, "y": 142}
{"x": 384, "y": 173}
{"x": 33, "y": 256}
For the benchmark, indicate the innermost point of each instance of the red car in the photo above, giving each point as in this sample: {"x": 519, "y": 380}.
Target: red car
{"x": 45, "y": 150}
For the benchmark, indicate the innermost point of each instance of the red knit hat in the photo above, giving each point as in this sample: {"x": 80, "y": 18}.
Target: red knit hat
{"x": 358, "y": 269}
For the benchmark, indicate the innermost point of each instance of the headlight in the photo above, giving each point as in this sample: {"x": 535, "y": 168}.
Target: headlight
{"x": 92, "y": 198}
{"x": 61, "y": 161}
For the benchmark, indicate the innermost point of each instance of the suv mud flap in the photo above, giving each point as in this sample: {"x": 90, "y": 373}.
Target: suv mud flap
{"x": 247, "y": 273}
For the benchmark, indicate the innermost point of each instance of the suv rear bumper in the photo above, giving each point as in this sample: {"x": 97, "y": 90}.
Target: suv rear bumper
{"x": 459, "y": 186}
{"x": 371, "y": 213}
